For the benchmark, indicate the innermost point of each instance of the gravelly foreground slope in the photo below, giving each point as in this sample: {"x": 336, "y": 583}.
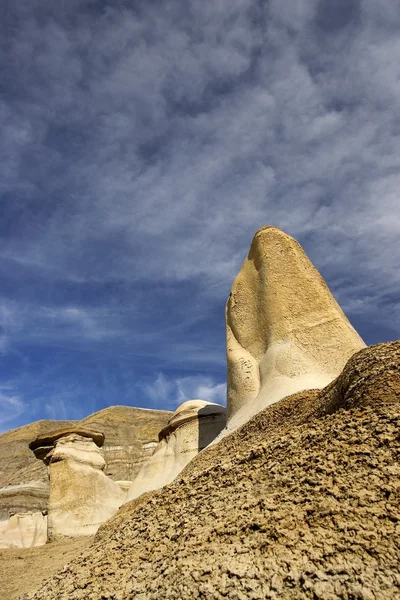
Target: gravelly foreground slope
{"x": 302, "y": 502}
{"x": 23, "y": 569}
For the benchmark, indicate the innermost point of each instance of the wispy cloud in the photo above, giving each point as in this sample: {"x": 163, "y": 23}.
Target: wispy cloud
{"x": 11, "y": 407}
{"x": 143, "y": 145}
{"x": 173, "y": 391}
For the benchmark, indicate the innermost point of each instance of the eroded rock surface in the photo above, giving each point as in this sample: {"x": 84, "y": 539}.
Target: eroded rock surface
{"x": 191, "y": 428}
{"x": 285, "y": 331}
{"x": 302, "y": 502}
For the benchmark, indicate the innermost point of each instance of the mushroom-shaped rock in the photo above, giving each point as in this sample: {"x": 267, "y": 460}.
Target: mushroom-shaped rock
{"x": 191, "y": 428}
{"x": 82, "y": 497}
{"x": 42, "y": 444}
{"x": 285, "y": 331}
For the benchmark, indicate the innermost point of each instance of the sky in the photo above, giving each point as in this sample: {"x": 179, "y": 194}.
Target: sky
{"x": 142, "y": 144}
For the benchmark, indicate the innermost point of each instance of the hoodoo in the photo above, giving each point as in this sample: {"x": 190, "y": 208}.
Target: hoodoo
{"x": 82, "y": 497}
{"x": 192, "y": 427}
{"x": 285, "y": 331}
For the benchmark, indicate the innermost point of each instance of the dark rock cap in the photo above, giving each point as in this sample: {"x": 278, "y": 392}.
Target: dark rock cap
{"x": 42, "y": 444}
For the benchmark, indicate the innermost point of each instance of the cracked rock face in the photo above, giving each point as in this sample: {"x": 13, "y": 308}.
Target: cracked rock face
{"x": 285, "y": 331}
{"x": 191, "y": 428}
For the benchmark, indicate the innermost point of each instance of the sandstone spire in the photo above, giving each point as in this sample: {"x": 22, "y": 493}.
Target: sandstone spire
{"x": 193, "y": 426}
{"x": 285, "y": 331}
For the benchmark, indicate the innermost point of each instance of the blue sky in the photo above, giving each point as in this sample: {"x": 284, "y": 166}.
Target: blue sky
{"x": 142, "y": 145}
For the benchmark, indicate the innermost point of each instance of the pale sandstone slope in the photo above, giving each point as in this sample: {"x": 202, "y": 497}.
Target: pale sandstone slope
{"x": 23, "y": 530}
{"x": 301, "y": 503}
{"x": 285, "y": 331}
{"x": 191, "y": 428}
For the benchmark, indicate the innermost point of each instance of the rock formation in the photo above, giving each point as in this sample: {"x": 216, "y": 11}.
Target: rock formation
{"x": 82, "y": 497}
{"x": 23, "y": 530}
{"x": 190, "y": 429}
{"x": 131, "y": 435}
{"x": 301, "y": 502}
{"x": 285, "y": 331}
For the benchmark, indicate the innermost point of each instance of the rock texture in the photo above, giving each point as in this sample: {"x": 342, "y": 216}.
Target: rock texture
{"x": 23, "y": 530}
{"x": 82, "y": 497}
{"x": 131, "y": 435}
{"x": 302, "y": 502}
{"x": 285, "y": 331}
{"x": 191, "y": 428}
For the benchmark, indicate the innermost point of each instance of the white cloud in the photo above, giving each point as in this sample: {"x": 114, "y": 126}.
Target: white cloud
{"x": 170, "y": 392}
{"x": 11, "y": 406}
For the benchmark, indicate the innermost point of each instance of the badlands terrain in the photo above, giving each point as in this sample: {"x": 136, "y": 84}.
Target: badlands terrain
{"x": 296, "y": 495}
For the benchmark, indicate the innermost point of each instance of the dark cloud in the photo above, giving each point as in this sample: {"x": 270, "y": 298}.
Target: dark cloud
{"x": 333, "y": 16}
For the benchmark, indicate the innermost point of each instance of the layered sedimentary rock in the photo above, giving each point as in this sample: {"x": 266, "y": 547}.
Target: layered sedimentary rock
{"x": 301, "y": 502}
{"x": 82, "y": 497}
{"x": 191, "y": 428}
{"x": 131, "y": 435}
{"x": 285, "y": 331}
{"x": 23, "y": 479}
{"x": 23, "y": 509}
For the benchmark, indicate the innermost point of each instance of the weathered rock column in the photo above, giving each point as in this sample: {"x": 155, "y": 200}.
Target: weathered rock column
{"x": 82, "y": 497}
{"x": 285, "y": 331}
{"x": 191, "y": 428}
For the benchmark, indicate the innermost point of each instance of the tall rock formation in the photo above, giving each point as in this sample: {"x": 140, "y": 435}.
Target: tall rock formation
{"x": 192, "y": 427}
{"x": 285, "y": 331}
{"x": 82, "y": 497}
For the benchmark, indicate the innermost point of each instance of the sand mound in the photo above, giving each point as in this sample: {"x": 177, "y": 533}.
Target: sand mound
{"x": 301, "y": 502}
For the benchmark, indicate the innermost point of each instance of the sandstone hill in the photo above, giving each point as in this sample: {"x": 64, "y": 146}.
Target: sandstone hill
{"x": 301, "y": 502}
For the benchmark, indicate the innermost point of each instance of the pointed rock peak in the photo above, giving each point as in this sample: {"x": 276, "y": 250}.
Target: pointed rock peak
{"x": 285, "y": 330}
